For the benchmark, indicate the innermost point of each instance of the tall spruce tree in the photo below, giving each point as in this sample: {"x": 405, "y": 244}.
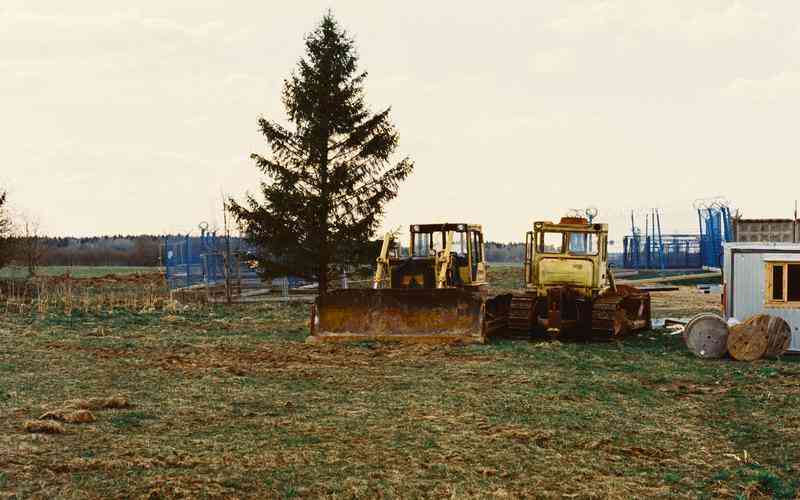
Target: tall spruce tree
{"x": 329, "y": 176}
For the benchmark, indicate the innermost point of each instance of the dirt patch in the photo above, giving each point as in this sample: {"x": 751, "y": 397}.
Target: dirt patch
{"x": 684, "y": 302}
{"x": 304, "y": 356}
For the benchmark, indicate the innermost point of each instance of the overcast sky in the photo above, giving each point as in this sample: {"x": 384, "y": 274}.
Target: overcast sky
{"x": 133, "y": 117}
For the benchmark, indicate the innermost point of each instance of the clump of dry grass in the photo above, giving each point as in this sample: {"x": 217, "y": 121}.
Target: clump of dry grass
{"x": 68, "y": 295}
{"x": 43, "y": 427}
{"x": 112, "y": 402}
{"x": 74, "y": 411}
{"x": 80, "y": 417}
{"x": 72, "y": 417}
{"x": 59, "y": 415}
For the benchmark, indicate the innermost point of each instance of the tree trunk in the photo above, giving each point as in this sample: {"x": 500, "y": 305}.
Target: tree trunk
{"x": 324, "y": 259}
{"x": 323, "y": 281}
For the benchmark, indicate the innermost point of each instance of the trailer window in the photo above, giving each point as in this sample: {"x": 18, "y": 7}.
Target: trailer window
{"x": 783, "y": 283}
{"x": 583, "y": 244}
{"x": 793, "y": 283}
{"x": 777, "y": 282}
{"x": 551, "y": 242}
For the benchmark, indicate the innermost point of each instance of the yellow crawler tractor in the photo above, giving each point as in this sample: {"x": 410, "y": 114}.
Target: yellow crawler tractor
{"x": 436, "y": 293}
{"x": 569, "y": 286}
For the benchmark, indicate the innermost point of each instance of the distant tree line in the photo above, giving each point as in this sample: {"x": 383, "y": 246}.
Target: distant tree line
{"x": 22, "y": 245}
{"x": 140, "y": 250}
{"x": 504, "y": 252}
{"x": 145, "y": 250}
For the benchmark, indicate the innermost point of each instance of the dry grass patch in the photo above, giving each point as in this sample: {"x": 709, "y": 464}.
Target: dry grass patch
{"x": 72, "y": 417}
{"x": 102, "y": 403}
{"x": 43, "y": 426}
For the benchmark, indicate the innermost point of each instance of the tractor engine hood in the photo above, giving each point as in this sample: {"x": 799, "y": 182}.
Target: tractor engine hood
{"x": 575, "y": 272}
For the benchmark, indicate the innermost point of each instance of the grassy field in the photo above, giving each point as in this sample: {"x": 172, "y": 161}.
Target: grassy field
{"x": 76, "y": 271}
{"x": 231, "y": 402}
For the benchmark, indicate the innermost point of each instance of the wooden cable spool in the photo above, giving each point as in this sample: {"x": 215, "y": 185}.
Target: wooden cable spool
{"x": 760, "y": 336}
{"x": 706, "y": 335}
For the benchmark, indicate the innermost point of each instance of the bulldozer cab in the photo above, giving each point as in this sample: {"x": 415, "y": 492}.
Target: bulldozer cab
{"x": 441, "y": 256}
{"x": 573, "y": 252}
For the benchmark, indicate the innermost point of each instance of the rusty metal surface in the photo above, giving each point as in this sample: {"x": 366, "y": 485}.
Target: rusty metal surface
{"x": 564, "y": 309}
{"x": 522, "y": 312}
{"x": 410, "y": 315}
{"x": 622, "y": 312}
{"x": 496, "y": 313}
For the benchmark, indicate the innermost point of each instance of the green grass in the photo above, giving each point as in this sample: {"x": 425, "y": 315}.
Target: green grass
{"x": 230, "y": 401}
{"x": 696, "y": 281}
{"x": 130, "y": 419}
{"x": 665, "y": 273}
{"x": 76, "y": 271}
{"x": 505, "y": 276}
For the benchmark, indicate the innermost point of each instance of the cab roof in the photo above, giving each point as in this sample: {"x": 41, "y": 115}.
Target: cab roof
{"x": 447, "y": 226}
{"x": 571, "y": 224}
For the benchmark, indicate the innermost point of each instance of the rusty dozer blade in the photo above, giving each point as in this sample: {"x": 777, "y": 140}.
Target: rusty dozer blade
{"x": 399, "y": 315}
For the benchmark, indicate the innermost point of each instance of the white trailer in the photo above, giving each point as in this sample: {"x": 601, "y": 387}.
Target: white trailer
{"x": 763, "y": 278}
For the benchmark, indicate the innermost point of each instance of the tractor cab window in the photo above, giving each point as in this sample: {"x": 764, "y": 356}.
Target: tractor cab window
{"x": 551, "y": 242}
{"x": 459, "y": 244}
{"x": 477, "y": 253}
{"x": 422, "y": 245}
{"x": 437, "y": 243}
{"x": 427, "y": 244}
{"x": 583, "y": 244}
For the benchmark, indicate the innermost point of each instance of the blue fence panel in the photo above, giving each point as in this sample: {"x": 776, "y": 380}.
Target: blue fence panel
{"x": 193, "y": 260}
{"x": 665, "y": 252}
{"x": 716, "y": 228}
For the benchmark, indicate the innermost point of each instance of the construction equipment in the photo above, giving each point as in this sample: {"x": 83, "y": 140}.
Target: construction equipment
{"x": 569, "y": 286}
{"x": 438, "y": 293}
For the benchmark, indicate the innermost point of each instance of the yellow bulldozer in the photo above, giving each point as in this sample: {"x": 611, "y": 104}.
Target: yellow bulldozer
{"x": 436, "y": 291}
{"x": 569, "y": 286}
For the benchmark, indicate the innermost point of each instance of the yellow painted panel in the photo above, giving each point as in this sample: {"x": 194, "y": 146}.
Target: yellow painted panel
{"x": 575, "y": 272}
